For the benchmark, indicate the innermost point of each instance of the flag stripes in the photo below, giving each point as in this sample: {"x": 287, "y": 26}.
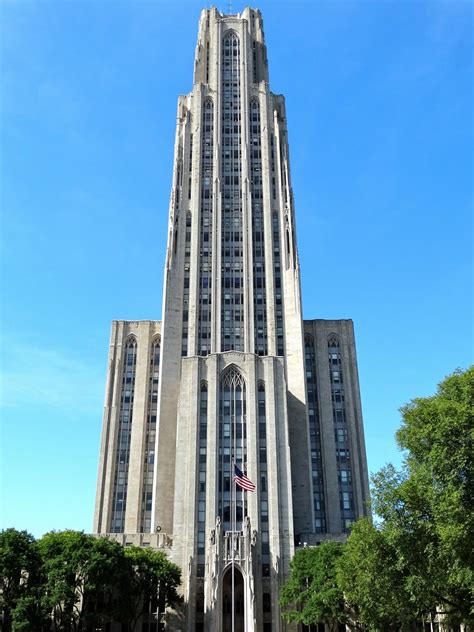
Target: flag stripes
{"x": 242, "y": 480}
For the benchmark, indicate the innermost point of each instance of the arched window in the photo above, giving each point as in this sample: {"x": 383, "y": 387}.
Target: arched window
{"x": 124, "y": 432}
{"x": 131, "y": 345}
{"x": 155, "y": 352}
{"x": 334, "y": 351}
{"x": 258, "y": 233}
{"x": 233, "y": 378}
{"x": 202, "y": 472}
{"x": 231, "y": 40}
{"x": 341, "y": 433}
{"x": 232, "y": 447}
{"x": 232, "y": 278}
{"x": 315, "y": 435}
{"x": 205, "y": 230}
{"x": 152, "y": 412}
{"x": 233, "y": 597}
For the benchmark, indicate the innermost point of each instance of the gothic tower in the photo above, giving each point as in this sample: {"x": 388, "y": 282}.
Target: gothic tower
{"x": 232, "y": 375}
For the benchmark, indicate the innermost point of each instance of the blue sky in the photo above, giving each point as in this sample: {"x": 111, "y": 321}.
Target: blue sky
{"x": 379, "y": 103}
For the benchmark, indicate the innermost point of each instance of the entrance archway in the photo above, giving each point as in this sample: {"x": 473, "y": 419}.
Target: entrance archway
{"x": 238, "y": 599}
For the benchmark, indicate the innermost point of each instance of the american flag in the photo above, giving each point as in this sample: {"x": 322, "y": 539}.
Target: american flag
{"x": 242, "y": 481}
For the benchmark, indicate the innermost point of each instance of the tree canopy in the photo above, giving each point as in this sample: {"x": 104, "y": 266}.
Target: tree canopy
{"x": 86, "y": 579}
{"x": 417, "y": 560}
{"x": 438, "y": 434}
{"x": 69, "y": 581}
{"x": 20, "y": 576}
{"x": 154, "y": 583}
{"x": 311, "y": 595}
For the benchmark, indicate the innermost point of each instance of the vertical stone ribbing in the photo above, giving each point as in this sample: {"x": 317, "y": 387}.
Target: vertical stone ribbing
{"x": 124, "y": 436}
{"x": 232, "y": 239}
{"x": 124, "y": 476}
{"x": 150, "y": 438}
{"x": 227, "y": 381}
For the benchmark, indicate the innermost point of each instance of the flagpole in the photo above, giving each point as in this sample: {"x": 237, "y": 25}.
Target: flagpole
{"x": 233, "y": 510}
{"x": 244, "y": 493}
{"x": 233, "y": 552}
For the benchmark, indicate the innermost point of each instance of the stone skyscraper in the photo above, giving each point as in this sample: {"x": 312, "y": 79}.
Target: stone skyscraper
{"x": 232, "y": 373}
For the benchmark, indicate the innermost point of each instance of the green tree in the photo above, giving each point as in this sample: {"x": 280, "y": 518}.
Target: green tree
{"x": 20, "y": 569}
{"x": 86, "y": 580}
{"x": 373, "y": 582}
{"x": 311, "y": 594}
{"x": 69, "y": 582}
{"x": 438, "y": 434}
{"x": 154, "y": 585}
{"x": 418, "y": 558}
{"x": 29, "y": 613}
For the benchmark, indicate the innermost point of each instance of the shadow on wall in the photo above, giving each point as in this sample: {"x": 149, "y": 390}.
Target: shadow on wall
{"x": 300, "y": 467}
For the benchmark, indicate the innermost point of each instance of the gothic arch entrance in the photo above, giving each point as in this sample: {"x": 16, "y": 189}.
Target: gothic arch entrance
{"x": 239, "y": 601}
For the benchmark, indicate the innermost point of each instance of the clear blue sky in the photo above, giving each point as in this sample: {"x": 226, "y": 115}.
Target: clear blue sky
{"x": 379, "y": 102}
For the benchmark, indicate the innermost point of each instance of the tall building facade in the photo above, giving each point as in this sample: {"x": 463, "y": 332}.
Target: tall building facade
{"x": 232, "y": 375}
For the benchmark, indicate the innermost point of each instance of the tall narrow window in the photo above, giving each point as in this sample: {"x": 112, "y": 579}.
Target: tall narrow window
{"x": 178, "y": 187}
{"x": 150, "y": 438}
{"x": 232, "y": 448}
{"x": 258, "y": 236}
{"x": 277, "y": 277}
{"x": 205, "y": 230}
{"x": 315, "y": 437}
{"x": 201, "y": 483}
{"x": 262, "y": 463}
{"x": 186, "y": 283}
{"x": 272, "y": 166}
{"x": 124, "y": 434}
{"x": 232, "y": 277}
{"x": 190, "y": 165}
{"x": 341, "y": 434}
{"x": 283, "y": 170}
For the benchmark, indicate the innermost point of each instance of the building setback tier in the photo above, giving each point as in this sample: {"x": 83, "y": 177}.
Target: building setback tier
{"x": 231, "y": 375}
